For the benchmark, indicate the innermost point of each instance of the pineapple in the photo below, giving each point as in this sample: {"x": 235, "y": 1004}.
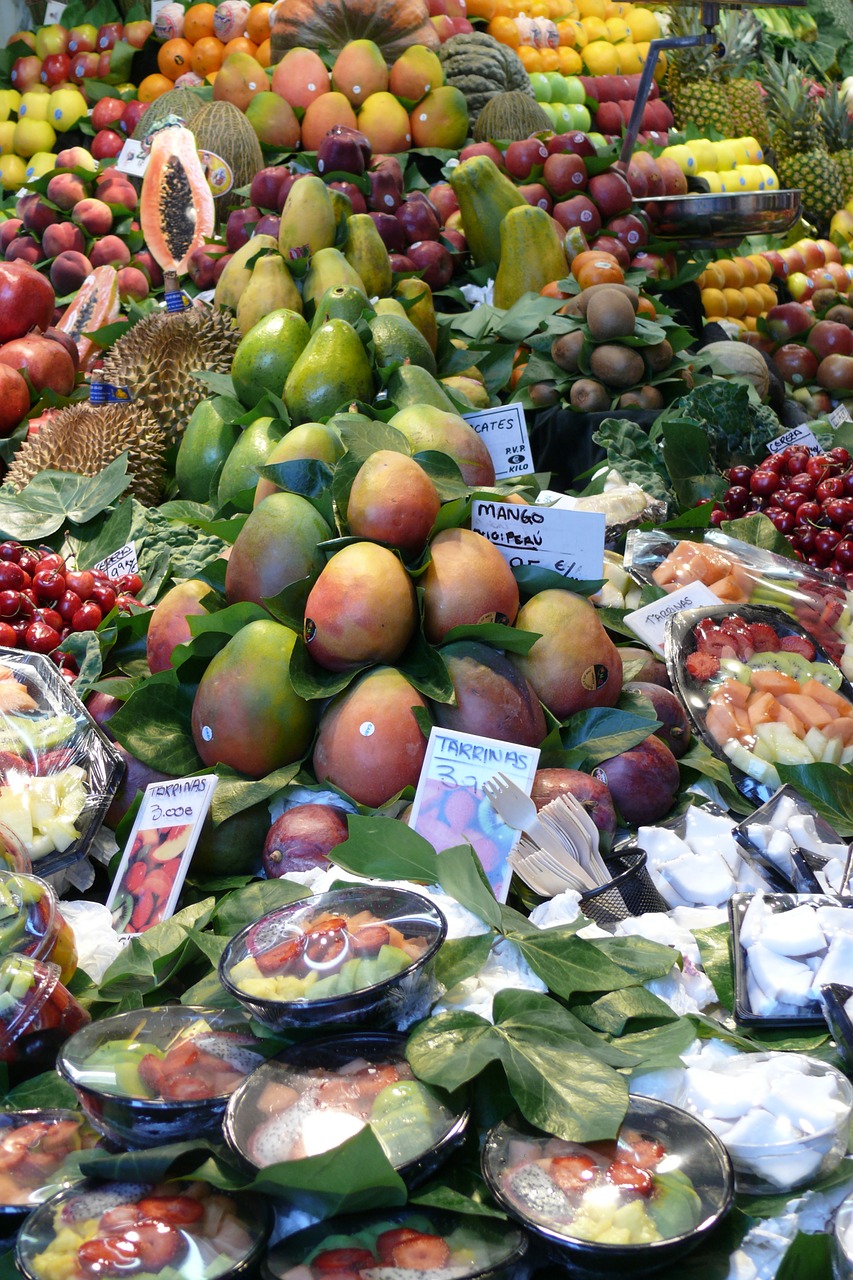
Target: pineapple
{"x": 741, "y": 31}
{"x": 837, "y": 126}
{"x": 802, "y": 158}
{"x": 711, "y": 90}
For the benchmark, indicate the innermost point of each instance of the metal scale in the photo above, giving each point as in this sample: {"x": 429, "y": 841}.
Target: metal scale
{"x": 708, "y": 220}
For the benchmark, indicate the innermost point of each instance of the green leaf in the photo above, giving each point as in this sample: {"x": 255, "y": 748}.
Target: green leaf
{"x": 362, "y": 436}
{"x": 630, "y": 450}
{"x": 808, "y": 1257}
{"x": 569, "y": 964}
{"x": 715, "y": 949}
{"x": 310, "y": 680}
{"x": 219, "y": 383}
{"x": 532, "y": 579}
{"x": 53, "y": 498}
{"x": 444, "y": 473}
{"x": 827, "y": 788}
{"x": 308, "y": 477}
{"x": 603, "y": 732}
{"x": 424, "y": 667}
{"x": 509, "y": 639}
{"x": 235, "y": 793}
{"x": 659, "y": 1048}
{"x": 384, "y": 849}
{"x": 685, "y": 450}
{"x": 758, "y": 531}
{"x": 45, "y": 1090}
{"x": 155, "y": 726}
{"x": 460, "y": 873}
{"x": 352, "y": 1178}
{"x": 613, "y": 1012}
{"x": 244, "y": 906}
{"x": 461, "y": 958}
{"x": 289, "y": 605}
{"x": 151, "y": 958}
{"x": 440, "y": 1196}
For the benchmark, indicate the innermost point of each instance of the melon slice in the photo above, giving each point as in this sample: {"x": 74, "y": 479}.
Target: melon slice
{"x": 176, "y": 207}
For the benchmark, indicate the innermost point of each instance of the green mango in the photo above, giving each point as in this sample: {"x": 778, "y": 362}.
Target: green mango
{"x": 240, "y": 473}
{"x": 332, "y": 371}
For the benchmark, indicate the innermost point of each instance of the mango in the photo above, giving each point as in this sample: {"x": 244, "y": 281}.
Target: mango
{"x": 426, "y": 427}
{"x": 441, "y": 119}
{"x": 386, "y": 125}
{"x": 332, "y": 370}
{"x": 321, "y": 115}
{"x": 574, "y": 665}
{"x": 492, "y": 698}
{"x": 276, "y": 547}
{"x": 393, "y": 500}
{"x": 360, "y": 71}
{"x": 273, "y": 120}
{"x": 466, "y": 581}
{"x": 240, "y": 78}
{"x": 310, "y": 440}
{"x": 416, "y": 71}
{"x": 361, "y": 609}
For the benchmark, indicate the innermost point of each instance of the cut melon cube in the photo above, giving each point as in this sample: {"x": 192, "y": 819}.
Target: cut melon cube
{"x": 846, "y": 756}
{"x": 784, "y": 744}
{"x": 816, "y": 743}
{"x": 833, "y": 751}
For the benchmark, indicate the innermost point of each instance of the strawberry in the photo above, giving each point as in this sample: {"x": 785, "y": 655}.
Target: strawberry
{"x": 798, "y": 644}
{"x": 421, "y": 1253}
{"x": 645, "y": 1153}
{"x": 178, "y": 1211}
{"x": 623, "y": 1174}
{"x": 151, "y": 1073}
{"x": 369, "y": 940}
{"x": 184, "y": 1087}
{"x": 109, "y": 1256}
{"x": 279, "y": 958}
{"x": 572, "y": 1173}
{"x": 331, "y": 1262}
{"x": 159, "y": 1244}
{"x": 702, "y": 666}
{"x": 388, "y": 1241}
{"x": 764, "y": 637}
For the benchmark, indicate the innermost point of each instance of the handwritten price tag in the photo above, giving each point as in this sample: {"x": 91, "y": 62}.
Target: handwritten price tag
{"x": 158, "y": 853}
{"x": 120, "y": 563}
{"x": 797, "y": 435}
{"x": 503, "y": 430}
{"x": 570, "y": 542}
{"x": 839, "y": 415}
{"x": 451, "y": 807}
{"x": 649, "y": 623}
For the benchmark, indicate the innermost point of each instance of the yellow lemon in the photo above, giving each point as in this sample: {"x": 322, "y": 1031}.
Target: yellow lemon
{"x": 12, "y": 98}
{"x": 683, "y": 157}
{"x": 590, "y": 8}
{"x": 751, "y": 176}
{"x": 630, "y": 62}
{"x": 12, "y": 172}
{"x": 712, "y": 178}
{"x": 581, "y": 37}
{"x": 7, "y": 135}
{"x": 769, "y": 181}
{"x": 601, "y": 59}
{"x": 753, "y": 150}
{"x": 644, "y": 25}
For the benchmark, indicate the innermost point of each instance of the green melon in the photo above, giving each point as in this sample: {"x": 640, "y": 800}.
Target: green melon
{"x": 181, "y": 103}
{"x": 224, "y": 130}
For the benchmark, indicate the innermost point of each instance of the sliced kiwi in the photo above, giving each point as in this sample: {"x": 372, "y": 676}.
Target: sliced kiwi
{"x": 122, "y": 911}
{"x": 794, "y": 664}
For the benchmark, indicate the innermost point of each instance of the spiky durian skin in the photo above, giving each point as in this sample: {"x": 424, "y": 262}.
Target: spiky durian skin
{"x": 158, "y": 356}
{"x": 84, "y": 438}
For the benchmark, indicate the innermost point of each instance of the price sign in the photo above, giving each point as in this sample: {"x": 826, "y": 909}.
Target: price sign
{"x": 800, "y": 435}
{"x": 53, "y": 13}
{"x": 503, "y": 430}
{"x": 158, "y": 853}
{"x": 570, "y": 542}
{"x": 649, "y": 623}
{"x": 839, "y": 415}
{"x": 451, "y": 807}
{"x": 120, "y": 563}
{"x": 133, "y": 158}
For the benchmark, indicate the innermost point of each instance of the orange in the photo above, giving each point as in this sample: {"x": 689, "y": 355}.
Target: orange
{"x": 530, "y": 58}
{"x": 174, "y": 58}
{"x": 208, "y": 55}
{"x": 241, "y": 45}
{"x": 600, "y": 272}
{"x": 749, "y": 269}
{"x": 768, "y": 294}
{"x": 570, "y": 62}
{"x": 550, "y": 59}
{"x": 735, "y": 303}
{"x": 198, "y": 22}
{"x": 153, "y": 86}
{"x": 505, "y": 31}
{"x": 553, "y": 290}
{"x": 538, "y": 9}
{"x": 714, "y": 303}
{"x": 751, "y": 323}
{"x": 714, "y": 276}
{"x": 485, "y": 9}
{"x": 264, "y": 54}
{"x": 505, "y": 9}
{"x": 590, "y": 255}
{"x": 754, "y": 300}
{"x": 645, "y": 307}
{"x": 566, "y": 32}
{"x": 765, "y": 271}
{"x": 732, "y": 273}
{"x": 258, "y": 24}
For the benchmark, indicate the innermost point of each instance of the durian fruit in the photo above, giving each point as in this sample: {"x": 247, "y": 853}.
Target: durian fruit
{"x": 85, "y": 438}
{"x": 157, "y": 358}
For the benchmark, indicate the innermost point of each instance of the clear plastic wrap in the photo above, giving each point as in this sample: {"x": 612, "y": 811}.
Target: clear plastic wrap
{"x": 58, "y": 770}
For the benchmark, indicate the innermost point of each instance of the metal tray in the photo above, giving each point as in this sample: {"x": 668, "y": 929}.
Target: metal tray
{"x": 720, "y": 219}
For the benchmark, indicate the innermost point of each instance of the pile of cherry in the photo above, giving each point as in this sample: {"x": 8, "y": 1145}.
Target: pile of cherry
{"x": 42, "y": 601}
{"x": 809, "y": 500}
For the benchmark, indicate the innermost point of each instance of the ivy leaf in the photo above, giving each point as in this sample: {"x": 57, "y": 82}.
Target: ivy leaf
{"x": 384, "y": 849}
{"x": 461, "y": 958}
{"x": 614, "y": 1011}
{"x": 244, "y": 906}
{"x": 444, "y": 473}
{"x": 758, "y": 531}
{"x": 52, "y": 498}
{"x": 460, "y": 873}
{"x": 289, "y": 605}
{"x": 424, "y": 667}
{"x": 45, "y": 1090}
{"x": 310, "y": 680}
{"x": 351, "y": 1178}
{"x": 155, "y": 725}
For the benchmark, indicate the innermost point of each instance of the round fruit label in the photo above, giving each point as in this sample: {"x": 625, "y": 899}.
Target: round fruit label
{"x": 367, "y": 729}
{"x": 595, "y": 676}
{"x": 220, "y": 179}
{"x": 309, "y": 630}
{"x": 494, "y": 617}
{"x": 206, "y": 732}
{"x": 599, "y": 775}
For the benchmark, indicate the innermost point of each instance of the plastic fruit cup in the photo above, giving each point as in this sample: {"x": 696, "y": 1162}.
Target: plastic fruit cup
{"x": 13, "y": 855}
{"x": 150, "y": 1076}
{"x": 37, "y": 1013}
{"x": 34, "y": 1147}
{"x": 338, "y": 957}
{"x": 32, "y": 924}
{"x": 842, "y": 1241}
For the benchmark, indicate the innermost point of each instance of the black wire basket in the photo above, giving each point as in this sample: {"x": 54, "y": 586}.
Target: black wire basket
{"x": 631, "y": 892}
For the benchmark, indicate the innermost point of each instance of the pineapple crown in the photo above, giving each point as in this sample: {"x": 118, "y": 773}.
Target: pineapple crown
{"x": 836, "y": 122}
{"x": 793, "y": 113}
{"x": 739, "y": 31}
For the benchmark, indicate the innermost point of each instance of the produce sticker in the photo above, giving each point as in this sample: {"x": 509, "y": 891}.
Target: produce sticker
{"x": 450, "y": 806}
{"x": 158, "y": 853}
{"x": 649, "y": 623}
{"x": 570, "y": 542}
{"x": 503, "y": 431}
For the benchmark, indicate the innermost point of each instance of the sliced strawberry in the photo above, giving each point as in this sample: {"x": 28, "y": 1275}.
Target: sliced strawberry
{"x": 280, "y": 957}
{"x": 119, "y": 1218}
{"x": 109, "y": 1256}
{"x": 740, "y": 635}
{"x": 369, "y": 940}
{"x": 389, "y": 1240}
{"x": 184, "y": 1087}
{"x": 158, "y": 1243}
{"x": 798, "y": 644}
{"x": 702, "y": 666}
{"x": 178, "y": 1211}
{"x": 326, "y": 924}
{"x": 571, "y": 1173}
{"x": 11, "y": 762}
{"x": 764, "y": 637}
{"x": 151, "y": 1073}
{"x": 623, "y": 1174}
{"x": 331, "y": 1262}
{"x": 645, "y": 1153}
{"x": 372, "y": 1080}
{"x": 326, "y": 946}
{"x": 421, "y": 1253}
{"x": 181, "y": 1057}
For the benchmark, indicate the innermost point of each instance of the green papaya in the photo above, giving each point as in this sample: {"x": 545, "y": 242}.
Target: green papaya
{"x": 485, "y": 197}
{"x": 366, "y": 254}
{"x": 532, "y": 254}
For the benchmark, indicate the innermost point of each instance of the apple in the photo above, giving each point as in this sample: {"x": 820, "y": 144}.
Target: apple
{"x": 788, "y": 320}
{"x": 800, "y": 287}
{"x": 133, "y": 113}
{"x": 796, "y": 364}
{"x": 648, "y": 167}
{"x": 609, "y": 244}
{"x": 630, "y": 229}
{"x": 835, "y": 373}
{"x": 564, "y": 174}
{"x": 812, "y": 253}
{"x": 578, "y": 211}
{"x": 136, "y": 33}
{"x": 777, "y": 263}
{"x": 794, "y": 260}
{"x": 55, "y": 68}
{"x": 104, "y": 64}
{"x": 84, "y": 66}
{"x": 524, "y": 160}
{"x": 51, "y": 39}
{"x": 573, "y": 141}
{"x": 636, "y": 180}
{"x": 611, "y": 193}
{"x": 827, "y": 338}
{"x": 45, "y": 363}
{"x": 82, "y": 39}
{"x": 674, "y": 181}
{"x": 831, "y": 252}
{"x": 26, "y": 73}
{"x": 443, "y": 197}
{"x": 107, "y": 112}
{"x": 652, "y": 265}
{"x": 535, "y": 193}
{"x": 106, "y": 144}
{"x": 444, "y": 26}
{"x": 108, "y": 35}
{"x": 482, "y": 149}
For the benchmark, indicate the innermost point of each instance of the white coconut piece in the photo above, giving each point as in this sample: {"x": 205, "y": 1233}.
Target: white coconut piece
{"x": 699, "y": 824}
{"x": 835, "y": 921}
{"x": 794, "y": 933}
{"x": 760, "y": 1003}
{"x": 703, "y": 879}
{"x": 754, "y": 918}
{"x": 781, "y": 977}
{"x": 784, "y": 1171}
{"x": 723, "y": 1095}
{"x": 837, "y": 966}
{"x": 758, "y": 834}
{"x": 812, "y": 1109}
{"x": 779, "y": 849}
{"x": 758, "y": 1128}
{"x": 661, "y": 844}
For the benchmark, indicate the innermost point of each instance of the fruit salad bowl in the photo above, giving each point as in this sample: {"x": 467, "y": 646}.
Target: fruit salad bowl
{"x": 150, "y": 1076}
{"x": 357, "y": 956}
{"x": 614, "y": 1208}
{"x": 144, "y": 1230}
{"x": 314, "y": 1096}
{"x": 409, "y": 1242}
{"x": 35, "y": 1147}
{"x": 37, "y": 1013}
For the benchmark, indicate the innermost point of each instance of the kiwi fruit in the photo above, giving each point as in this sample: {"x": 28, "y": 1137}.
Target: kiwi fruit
{"x": 616, "y": 366}
{"x": 610, "y": 315}
{"x": 543, "y": 394}
{"x": 658, "y": 357}
{"x": 566, "y": 350}
{"x": 629, "y": 400}
{"x": 585, "y": 298}
{"x": 575, "y": 307}
{"x": 588, "y": 396}
{"x": 840, "y": 314}
{"x": 651, "y": 398}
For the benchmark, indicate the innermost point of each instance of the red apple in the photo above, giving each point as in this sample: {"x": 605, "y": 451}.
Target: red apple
{"x": 482, "y": 149}
{"x": 578, "y": 211}
{"x": 106, "y": 144}
{"x": 800, "y": 287}
{"x": 611, "y": 193}
{"x": 609, "y": 244}
{"x": 25, "y": 73}
{"x": 136, "y": 33}
{"x": 812, "y": 253}
{"x": 648, "y": 167}
{"x": 794, "y": 260}
{"x": 524, "y": 159}
{"x": 82, "y": 39}
{"x": 795, "y": 363}
{"x": 535, "y": 193}
{"x": 788, "y": 320}
{"x": 108, "y": 36}
{"x": 652, "y": 265}
{"x": 835, "y": 373}
{"x": 574, "y": 143}
{"x": 564, "y": 174}
{"x": 674, "y": 181}
{"x": 443, "y": 198}
{"x": 831, "y": 252}
{"x": 55, "y": 68}
{"x": 630, "y": 229}
{"x": 107, "y": 112}
{"x": 827, "y": 338}
{"x": 84, "y": 66}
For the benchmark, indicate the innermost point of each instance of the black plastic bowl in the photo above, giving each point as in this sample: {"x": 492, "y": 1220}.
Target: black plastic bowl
{"x": 700, "y": 1155}
{"x": 394, "y": 1003}
{"x": 134, "y": 1121}
{"x": 331, "y": 1056}
{"x": 507, "y": 1241}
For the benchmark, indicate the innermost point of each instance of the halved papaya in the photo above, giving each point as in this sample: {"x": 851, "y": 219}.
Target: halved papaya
{"x": 97, "y": 304}
{"x": 176, "y": 206}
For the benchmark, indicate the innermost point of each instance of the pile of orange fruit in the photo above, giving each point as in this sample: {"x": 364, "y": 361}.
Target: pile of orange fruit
{"x": 596, "y": 37}
{"x": 737, "y": 289}
{"x": 200, "y": 51}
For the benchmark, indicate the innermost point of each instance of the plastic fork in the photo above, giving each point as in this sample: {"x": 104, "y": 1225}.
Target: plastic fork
{"x": 519, "y": 812}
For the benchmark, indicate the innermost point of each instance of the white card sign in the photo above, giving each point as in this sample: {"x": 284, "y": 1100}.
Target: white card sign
{"x": 158, "y": 853}
{"x": 450, "y": 806}
{"x": 503, "y": 431}
{"x": 133, "y": 157}
{"x": 800, "y": 435}
{"x": 53, "y": 12}
{"x": 649, "y": 623}
{"x": 570, "y": 542}
{"x": 839, "y": 415}
{"x": 121, "y": 562}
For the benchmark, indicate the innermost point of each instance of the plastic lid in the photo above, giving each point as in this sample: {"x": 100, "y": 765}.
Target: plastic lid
{"x": 52, "y": 1135}
{"x": 25, "y": 986}
{"x": 29, "y": 915}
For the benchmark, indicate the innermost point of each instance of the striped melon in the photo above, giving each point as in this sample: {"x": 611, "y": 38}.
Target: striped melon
{"x": 223, "y": 130}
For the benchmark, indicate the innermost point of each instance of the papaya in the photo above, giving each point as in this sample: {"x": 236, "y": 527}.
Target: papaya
{"x": 532, "y": 254}
{"x": 176, "y": 207}
{"x": 419, "y": 307}
{"x": 238, "y": 272}
{"x": 271, "y": 288}
{"x": 485, "y": 197}
{"x": 367, "y": 255}
{"x": 97, "y": 303}
{"x": 307, "y": 219}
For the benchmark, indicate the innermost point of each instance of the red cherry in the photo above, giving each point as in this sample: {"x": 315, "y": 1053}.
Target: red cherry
{"x": 51, "y": 560}
{"x": 49, "y": 583}
{"x": 52, "y": 618}
{"x": 790, "y": 501}
{"x": 127, "y": 603}
{"x": 839, "y": 510}
{"x": 10, "y": 603}
{"x": 68, "y": 604}
{"x": 10, "y": 551}
{"x": 839, "y": 455}
{"x": 131, "y": 584}
{"x": 40, "y": 637}
{"x": 80, "y": 581}
{"x": 739, "y": 475}
{"x": 718, "y": 515}
{"x": 804, "y": 483}
{"x": 104, "y": 596}
{"x": 826, "y": 541}
{"x": 7, "y": 635}
{"x": 843, "y": 553}
{"x": 818, "y": 466}
{"x": 29, "y": 561}
{"x": 12, "y": 575}
{"x": 831, "y": 487}
{"x": 798, "y": 462}
{"x": 87, "y": 618}
{"x": 808, "y": 512}
{"x": 764, "y": 482}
